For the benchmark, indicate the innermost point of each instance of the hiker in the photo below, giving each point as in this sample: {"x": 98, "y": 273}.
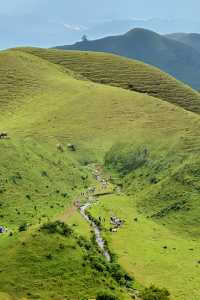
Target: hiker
{"x": 91, "y": 190}
{"x": 116, "y": 222}
{"x": 60, "y": 147}
{"x": 2, "y": 229}
{"x": 104, "y": 184}
{"x": 77, "y": 203}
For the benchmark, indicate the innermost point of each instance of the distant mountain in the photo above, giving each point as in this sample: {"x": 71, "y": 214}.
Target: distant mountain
{"x": 190, "y": 39}
{"x": 47, "y": 24}
{"x": 174, "y": 57}
{"x": 162, "y": 26}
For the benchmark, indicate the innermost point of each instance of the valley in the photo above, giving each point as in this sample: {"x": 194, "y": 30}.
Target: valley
{"x": 60, "y": 117}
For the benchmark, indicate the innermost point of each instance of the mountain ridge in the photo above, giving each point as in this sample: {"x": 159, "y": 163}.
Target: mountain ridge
{"x": 190, "y": 39}
{"x": 171, "y": 56}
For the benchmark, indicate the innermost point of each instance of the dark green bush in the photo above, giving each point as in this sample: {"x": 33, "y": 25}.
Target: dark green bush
{"x": 58, "y": 227}
{"x": 154, "y": 293}
{"x": 44, "y": 174}
{"x": 125, "y": 158}
{"x": 99, "y": 263}
{"x": 106, "y": 295}
{"x": 119, "y": 275}
{"x": 84, "y": 243}
{"x": 23, "y": 227}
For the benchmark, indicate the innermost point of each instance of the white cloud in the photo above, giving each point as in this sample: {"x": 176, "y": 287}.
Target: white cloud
{"x": 71, "y": 27}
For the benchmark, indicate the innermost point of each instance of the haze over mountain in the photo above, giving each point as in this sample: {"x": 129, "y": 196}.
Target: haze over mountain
{"x": 46, "y": 23}
{"x": 162, "y": 26}
{"x": 171, "y": 56}
{"x": 190, "y": 39}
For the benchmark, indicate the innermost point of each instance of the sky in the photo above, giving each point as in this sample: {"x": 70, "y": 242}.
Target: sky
{"x": 22, "y": 22}
{"x": 103, "y": 9}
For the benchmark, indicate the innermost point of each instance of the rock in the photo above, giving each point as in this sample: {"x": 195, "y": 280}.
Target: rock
{"x": 71, "y": 147}
{"x": 3, "y": 135}
{"x": 60, "y": 147}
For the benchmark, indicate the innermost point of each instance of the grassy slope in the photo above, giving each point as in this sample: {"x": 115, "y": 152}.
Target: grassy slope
{"x": 29, "y": 164}
{"x": 144, "y": 255}
{"x": 43, "y": 266}
{"x": 118, "y": 71}
{"x": 38, "y": 183}
{"x": 63, "y": 109}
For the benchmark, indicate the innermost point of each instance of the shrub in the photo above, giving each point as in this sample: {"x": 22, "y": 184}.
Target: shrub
{"x": 98, "y": 263}
{"x": 119, "y": 275}
{"x": 44, "y": 174}
{"x": 106, "y": 295}
{"x": 49, "y": 256}
{"x": 83, "y": 242}
{"x": 154, "y": 293}
{"x": 64, "y": 195}
{"x": 23, "y": 227}
{"x": 58, "y": 227}
{"x": 125, "y": 158}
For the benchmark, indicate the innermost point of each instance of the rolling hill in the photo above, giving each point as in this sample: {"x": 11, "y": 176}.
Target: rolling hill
{"x": 118, "y": 71}
{"x": 171, "y": 56}
{"x": 44, "y": 105}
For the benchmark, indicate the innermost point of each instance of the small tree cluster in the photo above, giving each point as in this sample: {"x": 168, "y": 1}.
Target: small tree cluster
{"x": 154, "y": 293}
{"x": 57, "y": 227}
{"x": 106, "y": 295}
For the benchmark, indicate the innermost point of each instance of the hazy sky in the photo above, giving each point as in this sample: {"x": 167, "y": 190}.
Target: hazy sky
{"x": 53, "y": 22}
{"x": 102, "y": 9}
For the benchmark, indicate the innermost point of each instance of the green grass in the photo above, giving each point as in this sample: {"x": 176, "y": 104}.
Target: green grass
{"x": 51, "y": 266}
{"x": 165, "y": 185}
{"x": 39, "y": 182}
{"x": 122, "y": 72}
{"x": 140, "y": 249}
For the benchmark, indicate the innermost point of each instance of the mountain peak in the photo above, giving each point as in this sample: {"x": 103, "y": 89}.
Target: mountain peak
{"x": 140, "y": 31}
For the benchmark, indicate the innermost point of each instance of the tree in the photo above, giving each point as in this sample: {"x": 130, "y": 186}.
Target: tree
{"x": 84, "y": 38}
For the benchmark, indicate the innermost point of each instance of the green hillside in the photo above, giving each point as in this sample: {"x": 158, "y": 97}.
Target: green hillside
{"x": 39, "y": 183}
{"x": 117, "y": 71}
{"x": 40, "y": 180}
{"x": 174, "y": 57}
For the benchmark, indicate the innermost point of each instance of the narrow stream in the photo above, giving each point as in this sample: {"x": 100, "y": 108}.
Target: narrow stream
{"x": 100, "y": 241}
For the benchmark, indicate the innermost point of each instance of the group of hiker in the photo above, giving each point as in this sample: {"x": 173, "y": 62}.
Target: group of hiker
{"x": 90, "y": 194}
